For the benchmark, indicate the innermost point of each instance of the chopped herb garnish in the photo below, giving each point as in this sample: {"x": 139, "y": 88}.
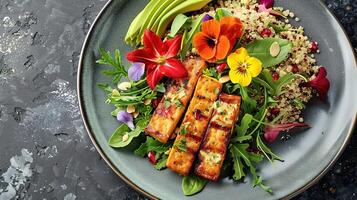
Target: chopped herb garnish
{"x": 181, "y": 144}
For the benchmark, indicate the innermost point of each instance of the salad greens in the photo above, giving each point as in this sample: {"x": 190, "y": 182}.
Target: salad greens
{"x": 192, "y": 184}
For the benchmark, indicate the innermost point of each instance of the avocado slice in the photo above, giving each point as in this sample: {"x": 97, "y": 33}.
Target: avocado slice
{"x": 186, "y": 6}
{"x": 174, "y": 4}
{"x": 147, "y": 19}
{"x": 164, "y": 4}
{"x": 134, "y": 28}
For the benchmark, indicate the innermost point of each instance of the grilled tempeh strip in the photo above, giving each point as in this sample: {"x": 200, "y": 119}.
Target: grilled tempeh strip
{"x": 192, "y": 129}
{"x": 214, "y": 147}
{"x": 171, "y": 108}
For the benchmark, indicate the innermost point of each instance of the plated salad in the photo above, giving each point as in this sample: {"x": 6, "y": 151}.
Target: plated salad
{"x": 210, "y": 84}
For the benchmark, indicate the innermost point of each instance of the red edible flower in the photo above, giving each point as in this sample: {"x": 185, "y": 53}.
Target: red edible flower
{"x": 272, "y": 132}
{"x": 159, "y": 58}
{"x": 266, "y": 6}
{"x": 321, "y": 84}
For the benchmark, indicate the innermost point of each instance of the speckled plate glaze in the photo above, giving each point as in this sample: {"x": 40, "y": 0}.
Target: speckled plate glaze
{"x": 308, "y": 155}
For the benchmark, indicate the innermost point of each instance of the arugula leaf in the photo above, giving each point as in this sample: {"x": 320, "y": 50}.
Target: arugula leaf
{"x": 116, "y": 140}
{"x": 221, "y": 12}
{"x": 240, "y": 153}
{"x": 261, "y": 50}
{"x": 248, "y": 104}
{"x": 161, "y": 163}
{"x": 275, "y": 88}
{"x": 119, "y": 70}
{"x": 243, "y": 128}
{"x": 177, "y": 24}
{"x": 237, "y": 163}
{"x": 266, "y": 151}
{"x": 152, "y": 145}
{"x": 187, "y": 39}
{"x": 192, "y": 184}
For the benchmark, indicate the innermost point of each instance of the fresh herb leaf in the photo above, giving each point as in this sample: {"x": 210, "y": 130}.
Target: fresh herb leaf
{"x": 192, "y": 184}
{"x": 278, "y": 28}
{"x": 221, "y": 12}
{"x": 299, "y": 104}
{"x": 237, "y": 163}
{"x": 152, "y": 145}
{"x": 261, "y": 50}
{"x": 266, "y": 151}
{"x": 167, "y": 103}
{"x": 119, "y": 70}
{"x": 211, "y": 72}
{"x": 160, "y": 88}
{"x": 181, "y": 144}
{"x": 177, "y": 24}
{"x": 122, "y": 136}
{"x": 178, "y": 103}
{"x": 184, "y": 129}
{"x": 249, "y": 104}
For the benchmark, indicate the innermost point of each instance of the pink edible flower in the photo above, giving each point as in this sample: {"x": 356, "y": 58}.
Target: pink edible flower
{"x": 266, "y": 6}
{"x": 321, "y": 84}
{"x": 272, "y": 132}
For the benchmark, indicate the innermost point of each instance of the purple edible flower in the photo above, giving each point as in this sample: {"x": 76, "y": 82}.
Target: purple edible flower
{"x": 207, "y": 17}
{"x": 136, "y": 71}
{"x": 126, "y": 118}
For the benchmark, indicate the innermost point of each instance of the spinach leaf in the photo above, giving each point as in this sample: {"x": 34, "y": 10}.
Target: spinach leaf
{"x": 192, "y": 184}
{"x": 122, "y": 136}
{"x": 221, "y": 12}
{"x": 261, "y": 50}
{"x": 177, "y": 24}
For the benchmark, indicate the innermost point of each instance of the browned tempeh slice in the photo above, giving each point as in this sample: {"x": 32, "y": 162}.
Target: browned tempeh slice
{"x": 214, "y": 147}
{"x": 171, "y": 108}
{"x": 192, "y": 129}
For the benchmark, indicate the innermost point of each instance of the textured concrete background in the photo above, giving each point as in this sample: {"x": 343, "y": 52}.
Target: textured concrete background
{"x": 44, "y": 150}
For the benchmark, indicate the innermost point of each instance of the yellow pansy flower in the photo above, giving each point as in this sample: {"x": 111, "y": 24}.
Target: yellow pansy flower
{"x": 243, "y": 67}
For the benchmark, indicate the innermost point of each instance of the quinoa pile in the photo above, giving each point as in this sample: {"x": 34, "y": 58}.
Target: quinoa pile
{"x": 301, "y": 60}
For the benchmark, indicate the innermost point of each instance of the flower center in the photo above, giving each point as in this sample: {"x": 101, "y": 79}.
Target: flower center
{"x": 211, "y": 42}
{"x": 242, "y": 68}
{"x": 161, "y": 60}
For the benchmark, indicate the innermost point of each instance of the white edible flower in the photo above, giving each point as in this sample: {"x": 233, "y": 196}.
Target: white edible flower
{"x": 124, "y": 86}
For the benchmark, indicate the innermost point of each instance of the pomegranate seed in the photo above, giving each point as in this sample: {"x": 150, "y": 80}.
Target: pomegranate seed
{"x": 295, "y": 69}
{"x": 274, "y": 111}
{"x": 156, "y": 102}
{"x": 314, "y": 47}
{"x": 275, "y": 76}
{"x": 266, "y": 32}
{"x": 151, "y": 157}
{"x": 198, "y": 115}
{"x": 221, "y": 67}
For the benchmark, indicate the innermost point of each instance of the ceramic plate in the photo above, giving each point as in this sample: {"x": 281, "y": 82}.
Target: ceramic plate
{"x": 308, "y": 155}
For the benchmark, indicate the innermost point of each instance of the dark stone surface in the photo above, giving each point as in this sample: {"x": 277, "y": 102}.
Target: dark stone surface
{"x": 44, "y": 150}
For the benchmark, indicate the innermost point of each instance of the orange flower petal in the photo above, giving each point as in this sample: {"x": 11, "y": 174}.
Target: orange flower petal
{"x": 223, "y": 47}
{"x": 211, "y": 28}
{"x": 231, "y": 27}
{"x": 200, "y": 42}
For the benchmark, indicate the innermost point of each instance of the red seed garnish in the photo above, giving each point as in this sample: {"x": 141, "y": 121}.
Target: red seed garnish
{"x": 151, "y": 157}
{"x": 314, "y": 47}
{"x": 274, "y": 111}
{"x": 295, "y": 69}
{"x": 221, "y": 67}
{"x": 156, "y": 102}
{"x": 198, "y": 115}
{"x": 275, "y": 76}
{"x": 266, "y": 32}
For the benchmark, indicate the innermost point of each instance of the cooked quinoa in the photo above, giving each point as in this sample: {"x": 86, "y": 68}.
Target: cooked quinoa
{"x": 300, "y": 61}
